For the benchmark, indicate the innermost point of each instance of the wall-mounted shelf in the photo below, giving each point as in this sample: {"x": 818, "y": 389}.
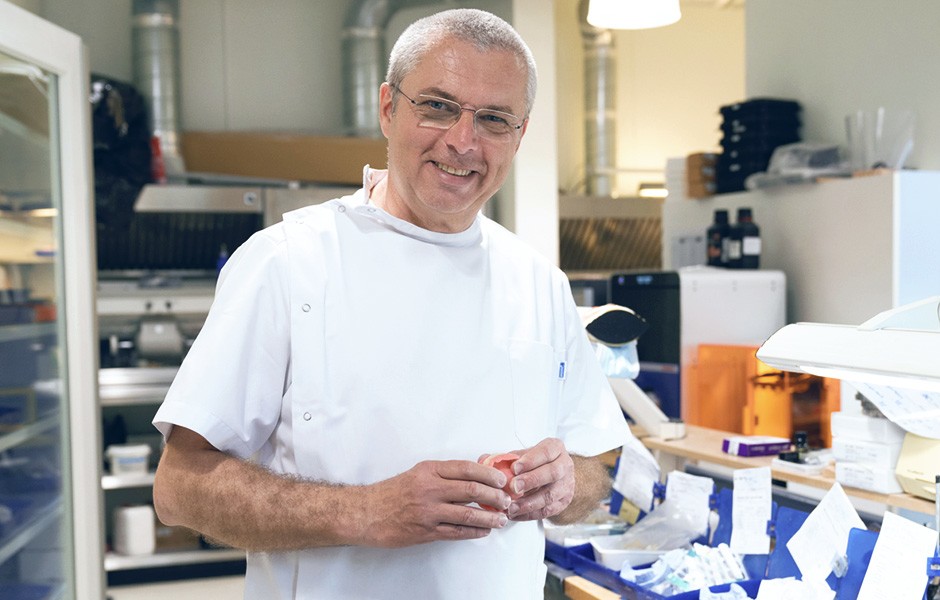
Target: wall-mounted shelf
{"x": 117, "y": 562}
{"x": 40, "y": 519}
{"x": 119, "y": 482}
{"x": 25, "y": 242}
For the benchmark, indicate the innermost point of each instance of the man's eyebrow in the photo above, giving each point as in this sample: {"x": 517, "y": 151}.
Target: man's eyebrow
{"x": 433, "y": 91}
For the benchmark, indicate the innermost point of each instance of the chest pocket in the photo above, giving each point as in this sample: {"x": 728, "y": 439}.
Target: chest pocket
{"x": 537, "y": 374}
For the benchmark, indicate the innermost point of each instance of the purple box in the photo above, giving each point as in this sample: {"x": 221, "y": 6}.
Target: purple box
{"x": 755, "y": 445}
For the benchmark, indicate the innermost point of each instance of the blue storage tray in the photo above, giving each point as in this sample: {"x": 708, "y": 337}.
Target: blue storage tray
{"x": 558, "y": 554}
{"x": 583, "y": 563}
{"x": 25, "y": 591}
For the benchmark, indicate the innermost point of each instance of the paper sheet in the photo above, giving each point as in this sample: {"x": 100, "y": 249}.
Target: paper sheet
{"x": 690, "y": 494}
{"x": 898, "y": 567}
{"x": 751, "y": 509}
{"x": 824, "y": 535}
{"x": 914, "y": 410}
{"x": 789, "y": 588}
{"x": 636, "y": 474}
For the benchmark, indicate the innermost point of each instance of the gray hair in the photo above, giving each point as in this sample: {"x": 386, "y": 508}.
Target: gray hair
{"x": 484, "y": 30}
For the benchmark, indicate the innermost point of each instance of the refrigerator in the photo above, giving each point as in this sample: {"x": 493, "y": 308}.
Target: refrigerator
{"x": 50, "y": 494}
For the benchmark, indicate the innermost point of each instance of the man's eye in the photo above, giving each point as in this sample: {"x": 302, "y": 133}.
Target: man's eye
{"x": 494, "y": 119}
{"x": 438, "y": 105}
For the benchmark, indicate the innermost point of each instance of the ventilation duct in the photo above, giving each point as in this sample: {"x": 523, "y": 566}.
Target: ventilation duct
{"x": 364, "y": 61}
{"x": 600, "y": 118}
{"x": 156, "y": 75}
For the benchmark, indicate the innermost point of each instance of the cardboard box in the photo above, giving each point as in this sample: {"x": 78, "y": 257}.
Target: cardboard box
{"x": 175, "y": 538}
{"x": 754, "y": 445}
{"x": 862, "y": 427}
{"x": 875, "y": 455}
{"x": 864, "y": 477}
{"x": 283, "y": 155}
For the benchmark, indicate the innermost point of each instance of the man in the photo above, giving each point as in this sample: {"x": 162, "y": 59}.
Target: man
{"x": 362, "y": 355}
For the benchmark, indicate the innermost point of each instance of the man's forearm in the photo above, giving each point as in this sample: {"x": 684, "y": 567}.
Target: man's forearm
{"x": 592, "y": 486}
{"x": 246, "y": 506}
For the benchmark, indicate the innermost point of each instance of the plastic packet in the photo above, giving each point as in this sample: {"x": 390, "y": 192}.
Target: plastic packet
{"x": 666, "y": 528}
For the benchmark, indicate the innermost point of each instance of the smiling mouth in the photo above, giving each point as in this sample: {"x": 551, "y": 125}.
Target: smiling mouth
{"x": 452, "y": 170}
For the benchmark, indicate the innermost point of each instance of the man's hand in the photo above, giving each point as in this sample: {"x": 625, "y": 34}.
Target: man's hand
{"x": 555, "y": 484}
{"x": 433, "y": 501}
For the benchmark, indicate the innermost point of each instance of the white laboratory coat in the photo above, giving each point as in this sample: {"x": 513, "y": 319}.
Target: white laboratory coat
{"x": 347, "y": 345}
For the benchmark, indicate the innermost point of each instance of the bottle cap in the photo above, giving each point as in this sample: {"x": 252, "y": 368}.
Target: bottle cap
{"x": 721, "y": 216}
{"x": 744, "y": 213}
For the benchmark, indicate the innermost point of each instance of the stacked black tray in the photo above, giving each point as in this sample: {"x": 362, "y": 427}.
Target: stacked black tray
{"x": 751, "y": 130}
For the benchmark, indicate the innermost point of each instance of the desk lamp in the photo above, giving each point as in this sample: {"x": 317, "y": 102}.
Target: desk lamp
{"x": 894, "y": 360}
{"x": 613, "y": 330}
{"x": 898, "y": 347}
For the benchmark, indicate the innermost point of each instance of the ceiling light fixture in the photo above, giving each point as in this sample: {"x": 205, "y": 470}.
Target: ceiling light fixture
{"x": 633, "y": 14}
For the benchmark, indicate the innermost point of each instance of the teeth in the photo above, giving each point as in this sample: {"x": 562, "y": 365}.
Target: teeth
{"x": 452, "y": 170}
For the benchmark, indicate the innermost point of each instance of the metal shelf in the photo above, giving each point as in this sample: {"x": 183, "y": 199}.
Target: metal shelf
{"x": 28, "y": 432}
{"x": 118, "y": 562}
{"x": 25, "y": 533}
{"x": 10, "y": 333}
{"x": 124, "y": 387}
{"x": 118, "y": 482}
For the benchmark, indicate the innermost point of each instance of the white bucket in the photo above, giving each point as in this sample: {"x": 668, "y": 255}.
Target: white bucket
{"x": 128, "y": 458}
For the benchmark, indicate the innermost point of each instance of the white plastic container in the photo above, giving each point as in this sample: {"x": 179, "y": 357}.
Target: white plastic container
{"x": 609, "y": 551}
{"x": 126, "y": 459}
{"x": 134, "y": 530}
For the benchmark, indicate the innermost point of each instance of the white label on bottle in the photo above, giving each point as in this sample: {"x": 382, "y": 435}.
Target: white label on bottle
{"x": 734, "y": 249}
{"x": 751, "y": 246}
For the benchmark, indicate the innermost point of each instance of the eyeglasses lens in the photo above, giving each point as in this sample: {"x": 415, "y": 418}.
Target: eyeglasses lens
{"x": 441, "y": 113}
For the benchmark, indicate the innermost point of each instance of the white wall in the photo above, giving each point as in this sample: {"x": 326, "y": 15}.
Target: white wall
{"x": 670, "y": 83}
{"x": 837, "y": 56}
{"x": 270, "y": 66}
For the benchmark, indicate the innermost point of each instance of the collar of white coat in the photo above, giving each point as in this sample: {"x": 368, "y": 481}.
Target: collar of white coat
{"x": 361, "y": 203}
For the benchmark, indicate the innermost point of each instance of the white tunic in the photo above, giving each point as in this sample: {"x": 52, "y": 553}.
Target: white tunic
{"x": 347, "y": 345}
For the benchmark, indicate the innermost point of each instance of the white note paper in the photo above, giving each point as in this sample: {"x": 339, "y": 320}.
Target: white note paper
{"x": 824, "y": 535}
{"x": 898, "y": 567}
{"x": 637, "y": 472}
{"x": 751, "y": 508}
{"x": 788, "y": 588}
{"x": 913, "y": 410}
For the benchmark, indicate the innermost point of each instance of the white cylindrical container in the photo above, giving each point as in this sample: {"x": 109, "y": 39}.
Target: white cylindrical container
{"x": 128, "y": 458}
{"x": 134, "y": 530}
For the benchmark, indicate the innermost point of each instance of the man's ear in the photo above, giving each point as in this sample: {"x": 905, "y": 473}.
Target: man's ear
{"x": 385, "y": 108}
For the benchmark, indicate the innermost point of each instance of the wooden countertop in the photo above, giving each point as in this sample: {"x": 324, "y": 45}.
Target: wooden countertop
{"x": 702, "y": 444}
{"x": 579, "y": 588}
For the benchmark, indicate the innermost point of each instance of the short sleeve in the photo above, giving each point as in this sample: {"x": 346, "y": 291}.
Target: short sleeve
{"x": 230, "y": 384}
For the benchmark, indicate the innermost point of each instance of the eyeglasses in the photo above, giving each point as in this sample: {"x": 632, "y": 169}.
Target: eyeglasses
{"x": 441, "y": 113}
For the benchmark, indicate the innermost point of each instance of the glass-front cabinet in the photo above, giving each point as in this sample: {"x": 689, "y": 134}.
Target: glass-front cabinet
{"x": 50, "y": 501}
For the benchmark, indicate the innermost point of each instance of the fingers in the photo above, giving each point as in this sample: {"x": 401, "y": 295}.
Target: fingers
{"x": 542, "y": 465}
{"x": 434, "y": 500}
{"x": 545, "y": 478}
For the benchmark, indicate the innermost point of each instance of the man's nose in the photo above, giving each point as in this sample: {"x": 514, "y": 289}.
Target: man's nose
{"x": 463, "y": 135}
